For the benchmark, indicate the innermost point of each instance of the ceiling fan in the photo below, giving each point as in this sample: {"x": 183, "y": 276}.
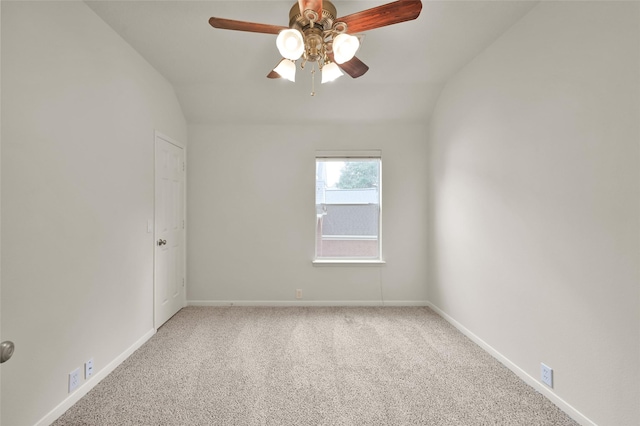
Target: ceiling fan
{"x": 315, "y": 35}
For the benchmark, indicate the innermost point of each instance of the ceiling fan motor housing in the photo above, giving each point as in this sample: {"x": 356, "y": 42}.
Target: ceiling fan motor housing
{"x": 316, "y": 37}
{"x": 301, "y": 20}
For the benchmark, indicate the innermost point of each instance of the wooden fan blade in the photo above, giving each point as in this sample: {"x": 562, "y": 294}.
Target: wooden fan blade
{"x": 315, "y": 5}
{"x": 273, "y": 73}
{"x": 381, "y": 16}
{"x": 354, "y": 67}
{"x": 230, "y": 24}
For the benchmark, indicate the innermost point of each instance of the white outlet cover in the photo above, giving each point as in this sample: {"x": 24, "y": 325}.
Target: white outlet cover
{"x": 74, "y": 380}
{"x": 88, "y": 369}
{"x": 546, "y": 375}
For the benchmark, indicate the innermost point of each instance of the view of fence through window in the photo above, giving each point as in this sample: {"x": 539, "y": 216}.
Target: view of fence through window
{"x": 348, "y": 208}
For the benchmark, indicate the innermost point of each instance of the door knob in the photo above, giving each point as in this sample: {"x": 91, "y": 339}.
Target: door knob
{"x": 162, "y": 242}
{"x": 6, "y": 351}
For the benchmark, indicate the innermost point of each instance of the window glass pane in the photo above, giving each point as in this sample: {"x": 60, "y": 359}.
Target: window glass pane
{"x": 348, "y": 208}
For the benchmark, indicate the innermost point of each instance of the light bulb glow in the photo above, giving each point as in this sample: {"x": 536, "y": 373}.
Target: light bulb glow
{"x": 330, "y": 72}
{"x": 286, "y": 69}
{"x": 345, "y": 47}
{"x": 290, "y": 43}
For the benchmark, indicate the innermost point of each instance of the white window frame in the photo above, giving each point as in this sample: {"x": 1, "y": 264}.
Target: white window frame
{"x": 346, "y": 156}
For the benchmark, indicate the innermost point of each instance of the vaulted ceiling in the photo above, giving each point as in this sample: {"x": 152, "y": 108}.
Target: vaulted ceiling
{"x": 220, "y": 76}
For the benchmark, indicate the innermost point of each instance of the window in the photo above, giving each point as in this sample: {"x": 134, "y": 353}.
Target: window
{"x": 348, "y": 208}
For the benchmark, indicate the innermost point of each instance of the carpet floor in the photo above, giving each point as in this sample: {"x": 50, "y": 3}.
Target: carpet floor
{"x": 311, "y": 366}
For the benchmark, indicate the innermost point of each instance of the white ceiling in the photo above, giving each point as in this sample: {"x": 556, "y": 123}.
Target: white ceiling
{"x": 220, "y": 76}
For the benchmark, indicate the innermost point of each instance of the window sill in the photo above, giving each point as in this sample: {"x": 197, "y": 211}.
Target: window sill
{"x": 321, "y": 262}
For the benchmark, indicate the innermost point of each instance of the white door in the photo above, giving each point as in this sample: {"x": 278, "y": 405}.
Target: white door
{"x": 169, "y": 275}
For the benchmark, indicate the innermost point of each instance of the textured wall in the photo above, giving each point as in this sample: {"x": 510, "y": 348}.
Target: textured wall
{"x": 251, "y": 214}
{"x": 79, "y": 110}
{"x": 535, "y": 178}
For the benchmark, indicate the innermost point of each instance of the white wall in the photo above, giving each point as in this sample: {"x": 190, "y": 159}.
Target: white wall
{"x": 251, "y": 215}
{"x": 535, "y": 186}
{"x": 79, "y": 110}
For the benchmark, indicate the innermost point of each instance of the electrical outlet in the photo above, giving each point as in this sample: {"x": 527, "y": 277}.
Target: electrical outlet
{"x": 546, "y": 374}
{"x": 298, "y": 293}
{"x": 74, "y": 380}
{"x": 88, "y": 369}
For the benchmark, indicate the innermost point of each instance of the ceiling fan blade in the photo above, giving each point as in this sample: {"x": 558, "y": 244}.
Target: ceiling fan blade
{"x": 230, "y": 24}
{"x": 273, "y": 73}
{"x": 315, "y": 5}
{"x": 354, "y": 67}
{"x": 381, "y": 16}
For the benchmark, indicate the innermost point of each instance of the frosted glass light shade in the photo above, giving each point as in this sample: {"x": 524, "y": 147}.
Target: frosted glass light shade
{"x": 287, "y": 69}
{"x": 345, "y": 47}
{"x": 330, "y": 72}
{"x": 290, "y": 44}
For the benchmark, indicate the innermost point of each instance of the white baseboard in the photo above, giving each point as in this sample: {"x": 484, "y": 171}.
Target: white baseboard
{"x": 528, "y": 379}
{"x": 307, "y": 303}
{"x": 92, "y": 382}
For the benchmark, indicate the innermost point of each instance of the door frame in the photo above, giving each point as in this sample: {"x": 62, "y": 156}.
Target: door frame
{"x": 158, "y": 135}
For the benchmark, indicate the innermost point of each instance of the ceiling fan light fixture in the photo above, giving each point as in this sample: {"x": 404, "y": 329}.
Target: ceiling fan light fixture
{"x": 330, "y": 71}
{"x": 317, "y": 36}
{"x": 286, "y": 69}
{"x": 345, "y": 47}
{"x": 290, "y": 43}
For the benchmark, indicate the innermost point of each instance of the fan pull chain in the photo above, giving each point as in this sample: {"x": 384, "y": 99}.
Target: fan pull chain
{"x": 313, "y": 80}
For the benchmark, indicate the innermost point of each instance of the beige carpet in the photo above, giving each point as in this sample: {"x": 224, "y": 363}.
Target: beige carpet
{"x": 311, "y": 366}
